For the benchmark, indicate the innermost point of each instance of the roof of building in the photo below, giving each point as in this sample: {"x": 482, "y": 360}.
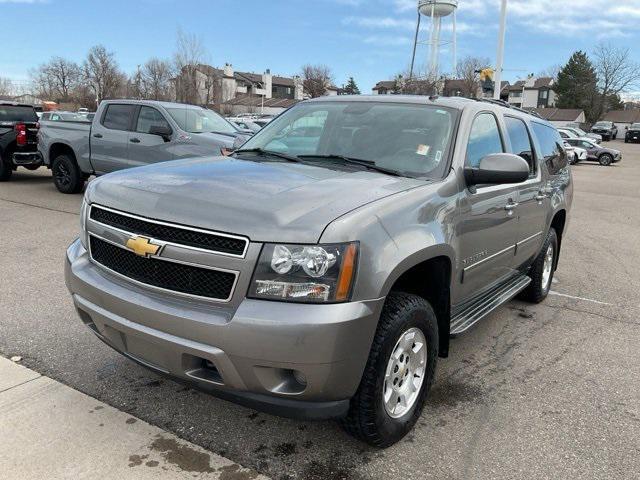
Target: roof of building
{"x": 517, "y": 87}
{"x": 623, "y": 116}
{"x": 559, "y": 114}
{"x": 538, "y": 83}
{"x": 385, "y": 84}
{"x": 246, "y": 76}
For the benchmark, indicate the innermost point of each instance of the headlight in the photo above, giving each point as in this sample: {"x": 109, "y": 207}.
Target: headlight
{"x": 84, "y": 211}
{"x": 305, "y": 273}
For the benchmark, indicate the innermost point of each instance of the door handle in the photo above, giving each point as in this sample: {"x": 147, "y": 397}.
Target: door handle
{"x": 540, "y": 197}
{"x": 510, "y": 207}
{"x": 97, "y": 135}
{"x": 134, "y": 140}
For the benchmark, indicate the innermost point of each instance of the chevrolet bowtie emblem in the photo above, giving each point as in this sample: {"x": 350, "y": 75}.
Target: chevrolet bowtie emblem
{"x": 143, "y": 247}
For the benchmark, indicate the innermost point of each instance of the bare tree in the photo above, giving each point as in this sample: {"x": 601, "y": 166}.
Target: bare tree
{"x": 316, "y": 79}
{"x": 551, "y": 71}
{"x": 616, "y": 72}
{"x": 190, "y": 53}
{"x": 100, "y": 72}
{"x": 468, "y": 72}
{"x": 156, "y": 75}
{"x": 6, "y": 87}
{"x": 57, "y": 79}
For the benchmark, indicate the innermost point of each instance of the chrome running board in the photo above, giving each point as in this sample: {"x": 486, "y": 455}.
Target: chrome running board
{"x": 475, "y": 311}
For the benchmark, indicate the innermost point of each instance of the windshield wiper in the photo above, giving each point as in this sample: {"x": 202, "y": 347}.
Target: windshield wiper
{"x": 370, "y": 164}
{"x": 263, "y": 152}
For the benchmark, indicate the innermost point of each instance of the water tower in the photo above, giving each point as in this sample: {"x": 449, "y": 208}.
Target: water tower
{"x": 436, "y": 10}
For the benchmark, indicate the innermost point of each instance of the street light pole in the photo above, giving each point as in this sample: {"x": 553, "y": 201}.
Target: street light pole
{"x": 497, "y": 89}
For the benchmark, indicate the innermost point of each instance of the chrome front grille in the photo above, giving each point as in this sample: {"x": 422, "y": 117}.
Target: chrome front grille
{"x": 222, "y": 243}
{"x": 169, "y": 257}
{"x": 161, "y": 273}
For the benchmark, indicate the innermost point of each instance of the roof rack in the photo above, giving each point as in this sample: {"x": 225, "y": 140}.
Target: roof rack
{"x": 502, "y": 103}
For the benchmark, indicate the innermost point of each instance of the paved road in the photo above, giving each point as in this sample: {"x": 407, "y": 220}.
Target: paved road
{"x": 547, "y": 391}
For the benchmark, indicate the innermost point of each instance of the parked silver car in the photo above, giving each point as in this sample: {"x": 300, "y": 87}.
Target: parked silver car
{"x": 131, "y": 133}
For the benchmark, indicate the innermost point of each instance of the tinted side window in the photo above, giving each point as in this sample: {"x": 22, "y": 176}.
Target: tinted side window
{"x": 521, "y": 141}
{"x": 551, "y": 145}
{"x": 118, "y": 117}
{"x": 484, "y": 139}
{"x": 150, "y": 117}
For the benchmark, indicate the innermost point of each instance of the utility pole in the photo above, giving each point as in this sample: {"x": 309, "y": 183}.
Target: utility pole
{"x": 500, "y": 57}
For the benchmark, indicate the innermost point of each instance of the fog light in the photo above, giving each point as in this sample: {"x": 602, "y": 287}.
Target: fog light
{"x": 300, "y": 378}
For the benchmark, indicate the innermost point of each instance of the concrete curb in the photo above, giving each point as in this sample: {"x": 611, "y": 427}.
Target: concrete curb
{"x": 52, "y": 431}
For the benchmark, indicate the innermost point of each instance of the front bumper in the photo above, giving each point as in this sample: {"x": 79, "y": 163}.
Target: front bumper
{"x": 248, "y": 354}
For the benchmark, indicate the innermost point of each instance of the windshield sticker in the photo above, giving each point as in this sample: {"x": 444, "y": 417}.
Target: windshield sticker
{"x": 438, "y": 155}
{"x": 423, "y": 150}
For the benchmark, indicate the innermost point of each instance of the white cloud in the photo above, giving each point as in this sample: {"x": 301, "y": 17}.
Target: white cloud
{"x": 387, "y": 40}
{"x": 380, "y": 22}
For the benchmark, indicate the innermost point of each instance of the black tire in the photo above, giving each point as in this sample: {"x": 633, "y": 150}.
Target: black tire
{"x": 605, "y": 159}
{"x": 368, "y": 419}
{"x": 67, "y": 176}
{"x": 538, "y": 289}
{"x": 6, "y": 168}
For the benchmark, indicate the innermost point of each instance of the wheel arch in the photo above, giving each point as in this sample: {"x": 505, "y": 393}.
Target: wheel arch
{"x": 428, "y": 275}
{"x": 59, "y": 148}
{"x": 558, "y": 223}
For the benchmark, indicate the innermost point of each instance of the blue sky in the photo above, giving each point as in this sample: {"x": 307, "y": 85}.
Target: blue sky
{"x": 370, "y": 40}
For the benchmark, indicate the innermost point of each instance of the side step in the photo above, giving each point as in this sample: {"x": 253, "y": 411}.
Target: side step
{"x": 476, "y": 311}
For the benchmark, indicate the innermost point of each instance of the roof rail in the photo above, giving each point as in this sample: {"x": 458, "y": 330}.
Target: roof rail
{"x": 502, "y": 103}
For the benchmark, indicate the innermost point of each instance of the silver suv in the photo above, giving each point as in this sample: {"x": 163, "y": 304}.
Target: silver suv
{"x": 320, "y": 271}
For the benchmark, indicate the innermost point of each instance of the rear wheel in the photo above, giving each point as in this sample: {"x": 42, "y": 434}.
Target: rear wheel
{"x": 542, "y": 270}
{"x": 398, "y": 374}
{"x": 605, "y": 159}
{"x": 67, "y": 176}
{"x": 6, "y": 168}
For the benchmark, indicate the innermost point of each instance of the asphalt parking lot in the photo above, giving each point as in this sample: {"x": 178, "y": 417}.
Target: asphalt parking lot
{"x": 546, "y": 391}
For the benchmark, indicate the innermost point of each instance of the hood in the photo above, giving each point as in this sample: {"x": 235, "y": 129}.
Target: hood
{"x": 266, "y": 201}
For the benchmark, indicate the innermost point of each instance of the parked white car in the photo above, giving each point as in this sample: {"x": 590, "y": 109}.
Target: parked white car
{"x": 575, "y": 132}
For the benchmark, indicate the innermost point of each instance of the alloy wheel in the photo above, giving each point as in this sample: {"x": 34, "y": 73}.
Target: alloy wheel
{"x": 405, "y": 373}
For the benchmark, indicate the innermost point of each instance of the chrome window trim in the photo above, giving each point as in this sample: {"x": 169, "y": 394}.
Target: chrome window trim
{"x": 174, "y": 292}
{"x": 173, "y": 225}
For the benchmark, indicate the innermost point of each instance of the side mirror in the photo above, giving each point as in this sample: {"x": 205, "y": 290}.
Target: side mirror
{"x": 162, "y": 131}
{"x": 498, "y": 168}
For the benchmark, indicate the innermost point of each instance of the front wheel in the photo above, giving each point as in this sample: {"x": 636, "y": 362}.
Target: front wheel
{"x": 542, "y": 270}
{"x": 398, "y": 374}
{"x": 605, "y": 159}
{"x": 67, "y": 176}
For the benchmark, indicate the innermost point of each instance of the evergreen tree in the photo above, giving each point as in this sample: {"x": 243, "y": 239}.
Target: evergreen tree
{"x": 576, "y": 85}
{"x": 351, "y": 88}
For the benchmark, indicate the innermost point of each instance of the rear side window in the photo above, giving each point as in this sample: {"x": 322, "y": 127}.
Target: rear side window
{"x": 521, "y": 141}
{"x": 118, "y": 117}
{"x": 484, "y": 139}
{"x": 17, "y": 113}
{"x": 551, "y": 145}
{"x": 150, "y": 117}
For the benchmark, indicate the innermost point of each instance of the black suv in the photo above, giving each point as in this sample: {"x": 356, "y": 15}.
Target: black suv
{"x": 608, "y": 130}
{"x": 633, "y": 134}
{"x": 18, "y": 138}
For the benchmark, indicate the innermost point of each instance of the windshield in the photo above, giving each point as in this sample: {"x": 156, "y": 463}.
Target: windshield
{"x": 411, "y": 139}
{"x": 635, "y": 126}
{"x": 17, "y": 113}
{"x": 603, "y": 124}
{"x": 200, "y": 120}
{"x": 580, "y": 132}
